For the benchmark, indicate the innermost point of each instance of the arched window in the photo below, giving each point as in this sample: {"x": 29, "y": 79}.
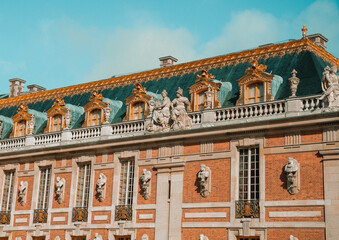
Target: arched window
{"x": 138, "y": 110}
{"x": 95, "y": 117}
{"x": 57, "y": 123}
{"x": 255, "y": 93}
{"x": 21, "y": 128}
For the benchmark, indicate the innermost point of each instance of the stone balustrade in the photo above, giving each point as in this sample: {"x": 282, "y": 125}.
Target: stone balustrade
{"x": 222, "y": 116}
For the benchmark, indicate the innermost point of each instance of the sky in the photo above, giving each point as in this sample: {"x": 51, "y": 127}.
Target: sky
{"x": 61, "y": 43}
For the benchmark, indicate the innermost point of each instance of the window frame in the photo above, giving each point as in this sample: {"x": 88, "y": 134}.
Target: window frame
{"x": 10, "y": 191}
{"x": 44, "y": 202}
{"x": 86, "y": 185}
{"x": 126, "y": 185}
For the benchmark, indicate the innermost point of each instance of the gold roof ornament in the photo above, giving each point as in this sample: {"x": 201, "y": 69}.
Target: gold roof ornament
{"x": 22, "y": 108}
{"x": 304, "y": 31}
{"x": 138, "y": 89}
{"x": 58, "y": 102}
{"x": 204, "y": 75}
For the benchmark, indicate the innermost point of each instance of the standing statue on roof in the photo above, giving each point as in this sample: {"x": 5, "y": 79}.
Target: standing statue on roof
{"x": 161, "y": 115}
{"x": 180, "y": 106}
{"x": 330, "y": 86}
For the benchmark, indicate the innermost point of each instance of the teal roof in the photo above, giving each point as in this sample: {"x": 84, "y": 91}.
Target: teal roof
{"x": 306, "y": 63}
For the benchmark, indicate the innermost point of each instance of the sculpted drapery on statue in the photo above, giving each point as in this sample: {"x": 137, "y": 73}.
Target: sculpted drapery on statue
{"x": 330, "y": 86}
{"x": 180, "y": 106}
{"x": 167, "y": 115}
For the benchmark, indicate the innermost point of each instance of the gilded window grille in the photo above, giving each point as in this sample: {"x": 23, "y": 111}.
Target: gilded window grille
{"x": 123, "y": 213}
{"x": 247, "y": 209}
{"x": 79, "y": 214}
{"x": 40, "y": 216}
{"x": 5, "y": 217}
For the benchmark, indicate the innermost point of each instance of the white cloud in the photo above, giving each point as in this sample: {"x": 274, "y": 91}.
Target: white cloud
{"x": 246, "y": 29}
{"x": 131, "y": 50}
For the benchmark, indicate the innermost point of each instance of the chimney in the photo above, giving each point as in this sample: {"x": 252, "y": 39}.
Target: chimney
{"x": 318, "y": 39}
{"x": 167, "y": 61}
{"x": 16, "y": 87}
{"x": 35, "y": 88}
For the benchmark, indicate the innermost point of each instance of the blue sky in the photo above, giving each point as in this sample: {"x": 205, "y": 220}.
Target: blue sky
{"x": 62, "y": 43}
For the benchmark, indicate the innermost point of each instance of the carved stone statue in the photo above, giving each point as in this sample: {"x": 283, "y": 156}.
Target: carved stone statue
{"x": 292, "y": 174}
{"x": 97, "y": 237}
{"x": 60, "y": 189}
{"x": 151, "y": 106}
{"x": 22, "y": 193}
{"x": 107, "y": 111}
{"x": 209, "y": 97}
{"x": 294, "y": 81}
{"x": 330, "y": 86}
{"x": 203, "y": 237}
{"x": 31, "y": 125}
{"x": 161, "y": 115}
{"x": 145, "y": 179}
{"x": 68, "y": 119}
{"x": 101, "y": 187}
{"x": 144, "y": 237}
{"x": 204, "y": 180}
{"x": 293, "y": 238}
{"x": 180, "y": 106}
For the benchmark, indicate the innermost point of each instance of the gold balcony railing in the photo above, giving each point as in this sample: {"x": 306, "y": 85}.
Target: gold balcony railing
{"x": 247, "y": 209}
{"x": 79, "y": 214}
{"x": 5, "y": 217}
{"x": 123, "y": 213}
{"x": 40, "y": 216}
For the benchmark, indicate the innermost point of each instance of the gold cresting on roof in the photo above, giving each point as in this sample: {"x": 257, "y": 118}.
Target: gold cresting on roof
{"x": 263, "y": 52}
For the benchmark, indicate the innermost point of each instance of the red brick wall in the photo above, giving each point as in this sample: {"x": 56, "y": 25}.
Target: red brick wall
{"x": 312, "y": 136}
{"x": 195, "y": 210}
{"x": 27, "y": 216}
{"x": 100, "y": 213}
{"x": 27, "y": 206}
{"x": 54, "y": 233}
{"x": 142, "y": 154}
{"x": 21, "y": 234}
{"x": 109, "y": 187}
{"x": 211, "y": 233}
{"x": 220, "y": 177}
{"x": 152, "y": 198}
{"x": 68, "y": 179}
{"x": 311, "y": 177}
{"x": 59, "y": 215}
{"x": 191, "y": 148}
{"x": 295, "y": 219}
{"x": 302, "y": 234}
{"x": 221, "y": 145}
{"x": 148, "y": 231}
{"x": 155, "y": 152}
{"x": 148, "y": 211}
{"x": 98, "y": 158}
{"x": 275, "y": 140}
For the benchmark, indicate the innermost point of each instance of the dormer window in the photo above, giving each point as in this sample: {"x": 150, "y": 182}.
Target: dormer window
{"x": 57, "y": 122}
{"x": 21, "y": 128}
{"x": 255, "y": 93}
{"x": 21, "y": 121}
{"x": 56, "y": 116}
{"x": 255, "y": 86}
{"x": 95, "y": 116}
{"x": 138, "y": 110}
{"x": 204, "y": 93}
{"x": 95, "y": 110}
{"x": 136, "y": 105}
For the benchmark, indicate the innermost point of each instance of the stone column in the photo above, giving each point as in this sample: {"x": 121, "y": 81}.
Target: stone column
{"x": 169, "y": 201}
{"x": 331, "y": 192}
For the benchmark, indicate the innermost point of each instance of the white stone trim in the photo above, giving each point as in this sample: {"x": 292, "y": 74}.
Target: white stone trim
{"x": 287, "y": 214}
{"x": 59, "y": 219}
{"x": 254, "y": 225}
{"x": 21, "y": 220}
{"x": 206, "y": 215}
{"x": 294, "y": 203}
{"x": 145, "y": 216}
{"x": 146, "y": 206}
{"x": 207, "y": 205}
{"x": 100, "y": 217}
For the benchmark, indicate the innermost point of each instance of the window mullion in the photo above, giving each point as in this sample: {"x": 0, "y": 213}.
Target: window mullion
{"x": 127, "y": 182}
{"x": 249, "y": 175}
{"x": 84, "y": 186}
{"x": 9, "y": 190}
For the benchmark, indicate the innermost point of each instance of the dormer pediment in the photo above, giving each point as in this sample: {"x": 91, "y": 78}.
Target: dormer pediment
{"x": 136, "y": 104}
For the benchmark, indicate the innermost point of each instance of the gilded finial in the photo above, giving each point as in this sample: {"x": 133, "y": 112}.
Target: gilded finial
{"x": 304, "y": 31}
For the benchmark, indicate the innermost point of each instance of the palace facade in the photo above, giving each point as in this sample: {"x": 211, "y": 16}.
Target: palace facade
{"x": 235, "y": 147}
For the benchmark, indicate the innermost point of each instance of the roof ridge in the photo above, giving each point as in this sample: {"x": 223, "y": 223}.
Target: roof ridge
{"x": 178, "y": 69}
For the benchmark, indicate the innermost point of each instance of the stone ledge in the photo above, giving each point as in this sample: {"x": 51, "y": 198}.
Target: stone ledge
{"x": 145, "y": 216}
{"x": 206, "y": 215}
{"x": 288, "y": 214}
